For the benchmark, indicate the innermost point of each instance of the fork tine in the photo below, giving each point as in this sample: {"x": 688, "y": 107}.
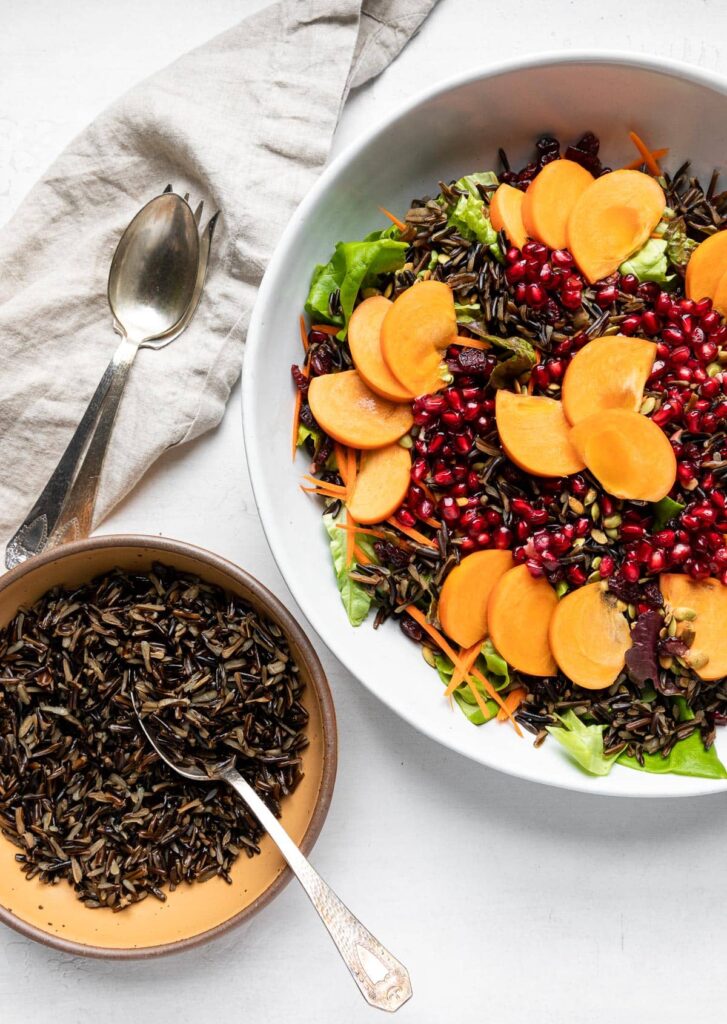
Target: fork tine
{"x": 212, "y": 223}
{"x": 167, "y": 189}
{"x": 198, "y": 212}
{"x": 186, "y": 197}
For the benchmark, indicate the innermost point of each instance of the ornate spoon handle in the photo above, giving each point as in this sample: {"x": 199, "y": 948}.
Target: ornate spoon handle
{"x": 382, "y": 980}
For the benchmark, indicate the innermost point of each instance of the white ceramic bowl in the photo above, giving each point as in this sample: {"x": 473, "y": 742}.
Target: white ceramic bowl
{"x": 455, "y": 128}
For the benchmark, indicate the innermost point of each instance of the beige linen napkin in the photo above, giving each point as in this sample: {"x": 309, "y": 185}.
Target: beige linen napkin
{"x": 246, "y": 123}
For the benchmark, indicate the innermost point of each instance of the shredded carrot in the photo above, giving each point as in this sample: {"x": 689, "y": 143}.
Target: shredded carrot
{"x": 361, "y": 529}
{"x": 324, "y": 484}
{"x": 512, "y": 702}
{"x": 471, "y": 343}
{"x": 467, "y": 656}
{"x": 651, "y": 164}
{"x": 303, "y": 333}
{"x": 480, "y": 702}
{"x": 361, "y": 557}
{"x": 332, "y": 495}
{"x": 434, "y": 523}
{"x": 341, "y": 454}
{"x": 394, "y": 220}
{"x": 413, "y": 534}
{"x": 531, "y": 382}
{"x": 351, "y": 471}
{"x": 326, "y": 328}
{"x": 492, "y": 692}
{"x": 350, "y": 538}
{"x": 657, "y": 154}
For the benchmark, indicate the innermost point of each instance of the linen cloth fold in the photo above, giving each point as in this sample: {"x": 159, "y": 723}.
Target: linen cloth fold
{"x": 244, "y": 122}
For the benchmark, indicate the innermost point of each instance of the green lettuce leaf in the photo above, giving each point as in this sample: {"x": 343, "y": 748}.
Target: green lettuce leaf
{"x": 523, "y": 358}
{"x": 353, "y": 266}
{"x": 463, "y": 696}
{"x": 497, "y": 669}
{"x": 304, "y": 433}
{"x": 356, "y": 599}
{"x": 583, "y": 742}
{"x": 650, "y": 263}
{"x": 679, "y": 246}
{"x": 469, "y": 215}
{"x": 665, "y": 510}
{"x": 688, "y": 757}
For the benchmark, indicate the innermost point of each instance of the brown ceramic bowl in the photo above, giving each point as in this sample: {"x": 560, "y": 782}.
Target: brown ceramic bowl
{"x": 195, "y": 913}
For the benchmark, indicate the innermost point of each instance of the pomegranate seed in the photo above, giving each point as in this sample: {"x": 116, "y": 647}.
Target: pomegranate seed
{"x": 425, "y": 508}
{"x": 535, "y": 568}
{"x": 538, "y": 517}
{"x": 467, "y": 545}
{"x": 706, "y": 352}
{"x": 520, "y": 292}
{"x": 665, "y": 538}
{"x": 421, "y": 417}
{"x": 710, "y": 389}
{"x": 458, "y": 490}
{"x": 570, "y": 298}
{"x": 405, "y": 517}
{"x": 419, "y": 469}
{"x": 434, "y": 403}
{"x": 628, "y": 283}
{"x": 708, "y": 425}
{"x": 443, "y": 477}
{"x": 649, "y": 290}
{"x": 631, "y": 324}
{"x": 516, "y": 271}
{"x": 656, "y": 561}
{"x": 699, "y": 375}
{"x": 477, "y": 524}
{"x": 535, "y": 250}
{"x": 720, "y": 558}
{"x": 606, "y": 296}
{"x": 687, "y": 305}
{"x": 686, "y": 473}
{"x": 449, "y": 509}
{"x": 680, "y": 552}
{"x": 546, "y": 276}
{"x": 697, "y": 568}
{"x": 710, "y": 321}
{"x": 541, "y": 542}
{"x": 672, "y": 336}
{"x": 630, "y": 572}
{"x": 705, "y": 514}
{"x": 536, "y": 297}
{"x": 512, "y": 255}
{"x": 541, "y": 377}
{"x": 720, "y": 410}
{"x": 453, "y": 399}
{"x": 650, "y": 323}
{"x": 606, "y": 567}
{"x": 522, "y": 530}
{"x": 631, "y": 531}
{"x": 690, "y": 521}
{"x": 562, "y": 258}
{"x": 555, "y": 369}
{"x": 471, "y": 411}
{"x": 576, "y": 575}
{"x": 452, "y": 419}
{"x": 702, "y": 307}
{"x": 578, "y": 486}
{"x": 463, "y": 443}
{"x": 663, "y": 303}
{"x": 483, "y": 539}
{"x": 436, "y": 443}
{"x": 521, "y": 507}
{"x": 583, "y": 526}
{"x": 607, "y": 505}
{"x": 459, "y": 473}
{"x": 492, "y": 517}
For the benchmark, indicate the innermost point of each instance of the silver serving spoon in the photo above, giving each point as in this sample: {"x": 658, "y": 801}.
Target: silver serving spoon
{"x": 155, "y": 281}
{"x": 382, "y": 980}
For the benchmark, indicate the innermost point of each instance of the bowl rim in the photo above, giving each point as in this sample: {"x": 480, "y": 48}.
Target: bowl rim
{"x": 254, "y": 350}
{"x": 319, "y": 682}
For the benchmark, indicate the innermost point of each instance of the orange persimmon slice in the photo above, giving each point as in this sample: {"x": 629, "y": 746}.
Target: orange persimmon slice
{"x": 465, "y": 593}
{"x": 518, "y": 617}
{"x": 550, "y": 197}
{"x": 381, "y": 484}
{"x": 414, "y": 334}
{"x": 627, "y": 453}
{"x": 719, "y": 298}
{"x": 536, "y": 435}
{"x": 607, "y": 373}
{"x": 708, "y": 598}
{"x": 589, "y": 636}
{"x": 364, "y": 340}
{"x": 506, "y": 214}
{"x": 612, "y": 219}
{"x": 707, "y": 266}
{"x": 350, "y": 412}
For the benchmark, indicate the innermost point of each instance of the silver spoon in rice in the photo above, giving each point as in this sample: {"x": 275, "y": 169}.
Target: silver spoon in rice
{"x": 382, "y": 980}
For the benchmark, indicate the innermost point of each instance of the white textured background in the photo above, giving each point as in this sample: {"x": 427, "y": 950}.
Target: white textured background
{"x": 507, "y": 901}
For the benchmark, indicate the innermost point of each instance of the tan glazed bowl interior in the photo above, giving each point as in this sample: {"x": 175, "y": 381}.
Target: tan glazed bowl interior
{"x": 193, "y": 913}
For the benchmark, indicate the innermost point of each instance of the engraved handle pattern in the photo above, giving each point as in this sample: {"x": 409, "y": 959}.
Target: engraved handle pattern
{"x": 383, "y": 981}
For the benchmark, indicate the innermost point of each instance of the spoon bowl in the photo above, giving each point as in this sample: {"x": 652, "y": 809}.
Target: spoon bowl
{"x": 154, "y": 269}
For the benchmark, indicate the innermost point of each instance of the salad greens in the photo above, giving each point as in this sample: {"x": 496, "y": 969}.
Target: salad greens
{"x": 650, "y": 263}
{"x": 356, "y": 599}
{"x": 664, "y": 511}
{"x": 468, "y": 215}
{"x": 583, "y": 742}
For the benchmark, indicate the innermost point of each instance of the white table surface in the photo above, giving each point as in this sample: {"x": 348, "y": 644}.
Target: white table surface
{"x": 507, "y": 901}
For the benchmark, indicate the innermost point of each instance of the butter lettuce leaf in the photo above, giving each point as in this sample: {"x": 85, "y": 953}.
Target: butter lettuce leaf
{"x": 650, "y": 263}
{"x": 497, "y": 669}
{"x": 583, "y": 742}
{"x": 353, "y": 266}
{"x": 355, "y": 598}
{"x": 463, "y": 696}
{"x": 687, "y": 757}
{"x": 665, "y": 510}
{"x": 469, "y": 215}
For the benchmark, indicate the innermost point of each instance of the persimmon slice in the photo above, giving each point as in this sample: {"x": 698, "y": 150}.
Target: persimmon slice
{"x": 550, "y": 197}
{"x": 364, "y": 340}
{"x": 536, "y": 435}
{"x": 608, "y": 373}
{"x": 612, "y": 219}
{"x": 381, "y": 484}
{"x": 707, "y": 264}
{"x": 518, "y": 618}
{"x": 350, "y": 412}
{"x": 506, "y": 214}
{"x": 589, "y": 636}
{"x": 465, "y": 593}
{"x": 708, "y": 598}
{"x": 627, "y": 453}
{"x": 719, "y": 298}
{"x": 414, "y": 334}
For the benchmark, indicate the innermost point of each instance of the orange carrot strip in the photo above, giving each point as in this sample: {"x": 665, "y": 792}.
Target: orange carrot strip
{"x": 296, "y": 424}
{"x": 324, "y": 483}
{"x": 351, "y": 471}
{"x": 492, "y": 692}
{"x": 414, "y": 534}
{"x": 657, "y": 154}
{"x": 321, "y": 494}
{"x": 350, "y": 538}
{"x": 471, "y": 343}
{"x": 361, "y": 557}
{"x": 468, "y": 656}
{"x": 326, "y": 328}
{"x": 432, "y": 522}
{"x": 512, "y": 702}
{"x": 480, "y": 702}
{"x": 394, "y": 220}
{"x": 648, "y": 159}
{"x": 360, "y": 529}
{"x": 303, "y": 333}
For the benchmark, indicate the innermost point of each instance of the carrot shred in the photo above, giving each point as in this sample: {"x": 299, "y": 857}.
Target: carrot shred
{"x": 361, "y": 557}
{"x": 341, "y": 454}
{"x": 468, "y": 656}
{"x": 480, "y": 702}
{"x": 393, "y": 218}
{"x": 492, "y": 692}
{"x": 434, "y": 523}
{"x": 512, "y": 702}
{"x": 360, "y": 529}
{"x": 296, "y": 424}
{"x": 477, "y": 343}
{"x": 326, "y": 328}
{"x": 323, "y": 484}
{"x": 648, "y": 159}
{"x": 415, "y": 535}
{"x": 351, "y": 471}
{"x": 350, "y": 538}
{"x": 303, "y": 333}
{"x": 657, "y": 154}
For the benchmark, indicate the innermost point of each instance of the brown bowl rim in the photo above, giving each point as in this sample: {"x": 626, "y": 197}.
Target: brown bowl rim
{"x": 328, "y": 719}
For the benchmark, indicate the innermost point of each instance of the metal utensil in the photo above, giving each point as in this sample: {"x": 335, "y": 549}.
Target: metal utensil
{"x": 382, "y": 980}
{"x": 159, "y": 264}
